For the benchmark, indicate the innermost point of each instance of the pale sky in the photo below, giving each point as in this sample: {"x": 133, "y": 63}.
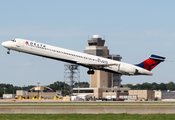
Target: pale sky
{"x": 133, "y": 29}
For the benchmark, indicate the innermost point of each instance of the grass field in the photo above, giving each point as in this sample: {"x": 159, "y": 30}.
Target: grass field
{"x": 87, "y": 116}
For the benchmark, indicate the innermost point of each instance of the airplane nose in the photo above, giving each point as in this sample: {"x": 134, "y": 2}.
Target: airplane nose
{"x": 5, "y": 44}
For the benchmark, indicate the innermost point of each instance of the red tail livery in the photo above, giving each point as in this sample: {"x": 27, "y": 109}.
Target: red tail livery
{"x": 151, "y": 62}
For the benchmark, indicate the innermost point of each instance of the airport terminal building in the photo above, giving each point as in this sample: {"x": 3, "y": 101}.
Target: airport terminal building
{"x": 101, "y": 92}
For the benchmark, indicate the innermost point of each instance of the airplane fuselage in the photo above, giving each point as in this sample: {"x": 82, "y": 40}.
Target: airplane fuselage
{"x": 83, "y": 59}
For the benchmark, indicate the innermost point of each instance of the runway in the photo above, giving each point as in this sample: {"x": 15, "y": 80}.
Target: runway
{"x": 87, "y": 107}
{"x": 110, "y": 103}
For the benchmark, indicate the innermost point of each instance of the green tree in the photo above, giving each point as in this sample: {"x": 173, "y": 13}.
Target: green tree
{"x": 171, "y": 86}
{"x": 154, "y": 86}
{"x": 130, "y": 86}
{"x": 162, "y": 86}
{"x": 9, "y": 89}
{"x": 64, "y": 87}
{"x": 146, "y": 86}
{"x": 81, "y": 84}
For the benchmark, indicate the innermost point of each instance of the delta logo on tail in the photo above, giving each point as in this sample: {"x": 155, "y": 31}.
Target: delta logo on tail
{"x": 151, "y": 62}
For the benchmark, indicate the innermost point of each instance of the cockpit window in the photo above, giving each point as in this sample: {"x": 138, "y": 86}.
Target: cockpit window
{"x": 13, "y": 40}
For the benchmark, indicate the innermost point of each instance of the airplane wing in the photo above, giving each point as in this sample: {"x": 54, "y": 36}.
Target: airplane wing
{"x": 99, "y": 65}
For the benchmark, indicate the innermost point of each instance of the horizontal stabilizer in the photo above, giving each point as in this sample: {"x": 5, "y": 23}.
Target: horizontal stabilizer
{"x": 158, "y": 58}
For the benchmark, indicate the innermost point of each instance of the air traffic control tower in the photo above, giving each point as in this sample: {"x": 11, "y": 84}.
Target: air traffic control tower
{"x": 102, "y": 79}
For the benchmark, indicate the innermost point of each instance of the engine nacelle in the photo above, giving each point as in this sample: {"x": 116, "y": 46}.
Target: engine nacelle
{"x": 127, "y": 70}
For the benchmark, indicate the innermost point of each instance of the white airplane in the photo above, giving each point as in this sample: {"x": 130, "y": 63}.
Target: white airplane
{"x": 90, "y": 61}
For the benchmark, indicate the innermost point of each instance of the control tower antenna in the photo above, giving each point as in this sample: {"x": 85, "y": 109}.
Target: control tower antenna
{"x": 71, "y": 75}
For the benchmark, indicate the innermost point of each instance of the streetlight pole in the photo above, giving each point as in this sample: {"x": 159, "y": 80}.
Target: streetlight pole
{"x": 4, "y": 89}
{"x": 38, "y": 88}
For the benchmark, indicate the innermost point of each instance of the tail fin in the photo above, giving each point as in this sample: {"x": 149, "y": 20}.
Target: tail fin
{"x": 151, "y": 62}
